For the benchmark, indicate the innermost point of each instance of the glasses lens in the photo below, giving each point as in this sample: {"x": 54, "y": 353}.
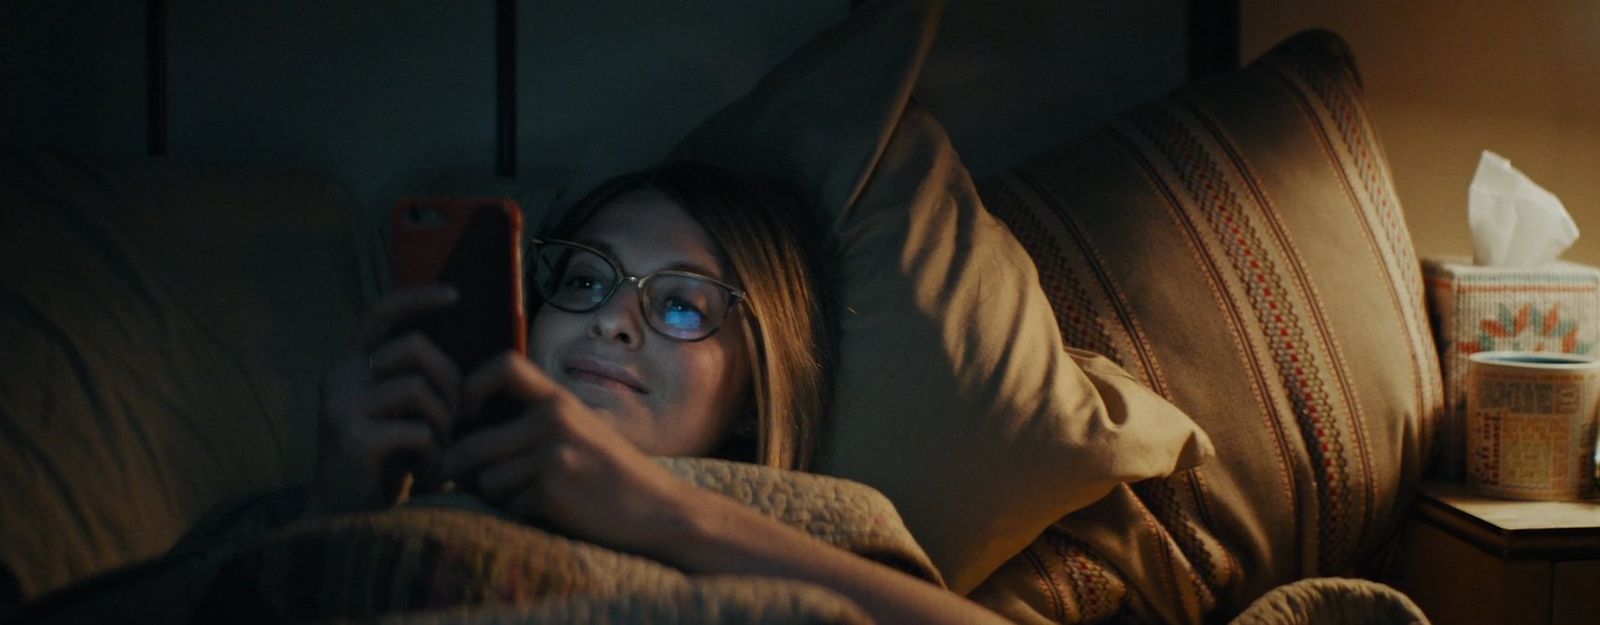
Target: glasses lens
{"x": 685, "y": 307}
{"x": 573, "y": 279}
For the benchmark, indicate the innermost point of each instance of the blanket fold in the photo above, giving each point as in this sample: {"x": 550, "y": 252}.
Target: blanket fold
{"x": 451, "y": 559}
{"x": 1332, "y": 601}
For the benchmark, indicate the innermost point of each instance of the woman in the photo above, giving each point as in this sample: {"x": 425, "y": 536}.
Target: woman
{"x": 678, "y": 314}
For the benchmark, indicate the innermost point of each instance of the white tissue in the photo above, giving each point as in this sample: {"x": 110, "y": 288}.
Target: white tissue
{"x": 1515, "y": 223}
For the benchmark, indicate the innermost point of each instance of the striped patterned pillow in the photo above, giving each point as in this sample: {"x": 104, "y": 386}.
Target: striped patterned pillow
{"x": 1239, "y": 247}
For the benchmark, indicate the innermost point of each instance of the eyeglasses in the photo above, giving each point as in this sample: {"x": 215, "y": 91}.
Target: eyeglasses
{"x": 680, "y": 305}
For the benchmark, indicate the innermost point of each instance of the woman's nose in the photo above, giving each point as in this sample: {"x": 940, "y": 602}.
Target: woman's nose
{"x": 619, "y": 318}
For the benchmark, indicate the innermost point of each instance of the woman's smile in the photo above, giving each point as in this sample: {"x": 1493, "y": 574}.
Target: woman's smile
{"x": 602, "y": 373}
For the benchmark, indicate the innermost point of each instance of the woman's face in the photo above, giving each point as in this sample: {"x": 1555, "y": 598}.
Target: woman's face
{"x": 670, "y": 398}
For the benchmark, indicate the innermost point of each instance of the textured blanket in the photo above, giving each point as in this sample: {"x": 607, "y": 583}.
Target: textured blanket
{"x": 449, "y": 559}
{"x": 1332, "y": 601}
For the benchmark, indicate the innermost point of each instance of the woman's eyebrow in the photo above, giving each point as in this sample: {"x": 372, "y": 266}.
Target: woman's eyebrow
{"x": 714, "y": 273}
{"x": 597, "y": 244}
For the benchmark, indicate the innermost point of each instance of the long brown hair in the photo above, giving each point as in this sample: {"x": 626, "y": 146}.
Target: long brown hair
{"x": 769, "y": 239}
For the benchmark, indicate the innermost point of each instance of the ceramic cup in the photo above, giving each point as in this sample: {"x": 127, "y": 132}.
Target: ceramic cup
{"x": 1531, "y": 424}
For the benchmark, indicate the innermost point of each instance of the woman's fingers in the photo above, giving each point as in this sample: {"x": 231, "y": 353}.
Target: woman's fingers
{"x": 512, "y": 408}
{"x": 559, "y": 461}
{"x": 386, "y": 442}
{"x": 387, "y": 407}
{"x": 363, "y": 476}
{"x": 513, "y": 374}
{"x": 415, "y": 352}
{"x": 398, "y": 399}
{"x": 401, "y": 306}
{"x": 389, "y": 439}
{"x": 502, "y": 389}
{"x": 510, "y": 478}
{"x": 518, "y": 437}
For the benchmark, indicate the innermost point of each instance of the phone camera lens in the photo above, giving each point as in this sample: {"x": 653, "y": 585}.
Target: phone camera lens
{"x": 424, "y": 216}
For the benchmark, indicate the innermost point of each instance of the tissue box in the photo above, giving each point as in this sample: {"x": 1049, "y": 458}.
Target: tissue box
{"x": 1551, "y": 308}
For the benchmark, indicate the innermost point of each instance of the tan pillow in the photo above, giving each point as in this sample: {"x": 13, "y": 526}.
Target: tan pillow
{"x": 164, "y": 329}
{"x": 955, "y": 397}
{"x": 1239, "y": 247}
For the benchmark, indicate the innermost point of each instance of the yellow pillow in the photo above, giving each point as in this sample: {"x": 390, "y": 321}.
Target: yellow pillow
{"x": 955, "y": 396}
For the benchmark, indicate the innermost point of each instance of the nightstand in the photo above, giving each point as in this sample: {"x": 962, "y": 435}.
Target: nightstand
{"x": 1472, "y": 559}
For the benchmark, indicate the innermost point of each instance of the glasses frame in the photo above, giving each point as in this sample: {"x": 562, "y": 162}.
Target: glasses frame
{"x": 736, "y": 295}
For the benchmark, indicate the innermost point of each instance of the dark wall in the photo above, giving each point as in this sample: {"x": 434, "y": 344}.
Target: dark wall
{"x": 400, "y": 97}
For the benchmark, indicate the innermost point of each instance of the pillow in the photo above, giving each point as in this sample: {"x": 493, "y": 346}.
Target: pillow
{"x": 954, "y": 395}
{"x": 164, "y": 329}
{"x": 1239, "y": 247}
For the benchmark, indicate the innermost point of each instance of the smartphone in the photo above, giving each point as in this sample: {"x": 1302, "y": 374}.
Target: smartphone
{"x": 475, "y": 245}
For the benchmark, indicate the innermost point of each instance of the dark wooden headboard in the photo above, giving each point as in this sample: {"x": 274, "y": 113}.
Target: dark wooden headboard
{"x": 392, "y": 97}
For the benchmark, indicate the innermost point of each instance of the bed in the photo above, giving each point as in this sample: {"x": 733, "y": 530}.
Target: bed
{"x": 1174, "y": 368}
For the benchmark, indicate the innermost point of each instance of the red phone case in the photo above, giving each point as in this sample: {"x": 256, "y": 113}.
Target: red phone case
{"x": 474, "y": 244}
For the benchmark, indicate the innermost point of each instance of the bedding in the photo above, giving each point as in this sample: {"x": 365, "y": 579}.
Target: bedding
{"x": 1239, "y": 247}
{"x": 450, "y": 558}
{"x": 158, "y": 322}
{"x": 255, "y": 282}
{"x": 166, "y": 324}
{"x": 1332, "y": 601}
{"x": 951, "y": 370}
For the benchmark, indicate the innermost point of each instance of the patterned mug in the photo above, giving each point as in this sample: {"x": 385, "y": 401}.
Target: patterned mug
{"x": 1531, "y": 424}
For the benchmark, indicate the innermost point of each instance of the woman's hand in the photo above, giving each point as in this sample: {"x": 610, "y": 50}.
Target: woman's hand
{"x": 560, "y": 462}
{"x": 387, "y": 408}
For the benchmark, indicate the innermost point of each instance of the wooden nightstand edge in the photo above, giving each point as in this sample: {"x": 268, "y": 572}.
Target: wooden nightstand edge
{"x": 1556, "y": 543}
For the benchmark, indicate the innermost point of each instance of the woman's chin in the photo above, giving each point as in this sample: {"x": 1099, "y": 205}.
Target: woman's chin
{"x": 611, "y": 400}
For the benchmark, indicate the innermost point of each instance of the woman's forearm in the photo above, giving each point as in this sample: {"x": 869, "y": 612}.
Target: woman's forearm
{"x": 721, "y": 536}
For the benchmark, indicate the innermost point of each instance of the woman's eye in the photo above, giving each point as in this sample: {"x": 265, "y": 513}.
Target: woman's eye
{"x": 677, "y": 304}
{"x": 581, "y": 280}
{"x": 680, "y": 313}
{"x": 578, "y": 282}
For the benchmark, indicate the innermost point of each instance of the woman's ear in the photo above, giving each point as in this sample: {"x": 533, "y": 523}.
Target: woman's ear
{"x": 743, "y": 443}
{"x": 749, "y": 425}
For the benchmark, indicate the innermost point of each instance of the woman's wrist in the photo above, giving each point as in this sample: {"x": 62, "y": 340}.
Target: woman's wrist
{"x": 687, "y": 519}
{"x": 703, "y": 531}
